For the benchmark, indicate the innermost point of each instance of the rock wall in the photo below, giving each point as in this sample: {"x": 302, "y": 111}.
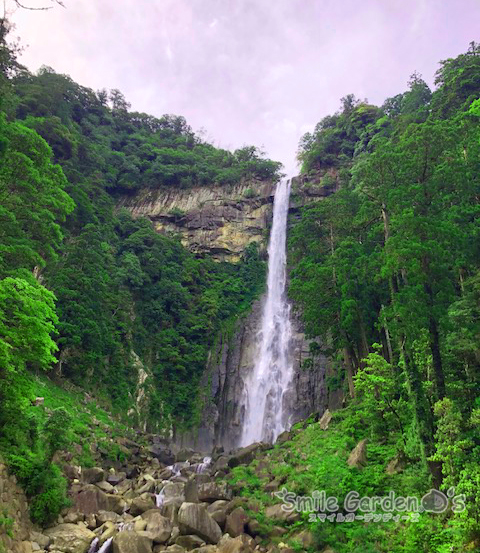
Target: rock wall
{"x": 15, "y": 525}
{"x": 223, "y": 384}
{"x": 216, "y": 220}
{"x": 222, "y": 221}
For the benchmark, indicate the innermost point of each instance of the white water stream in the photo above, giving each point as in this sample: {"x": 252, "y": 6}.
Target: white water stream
{"x": 266, "y": 414}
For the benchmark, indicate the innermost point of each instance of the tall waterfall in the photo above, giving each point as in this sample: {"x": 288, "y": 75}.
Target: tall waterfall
{"x": 266, "y": 415}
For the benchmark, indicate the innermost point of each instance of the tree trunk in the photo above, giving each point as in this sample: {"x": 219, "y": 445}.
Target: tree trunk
{"x": 350, "y": 371}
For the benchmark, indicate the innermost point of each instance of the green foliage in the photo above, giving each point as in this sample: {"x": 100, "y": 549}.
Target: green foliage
{"x": 42, "y": 480}
{"x": 89, "y": 289}
{"x": 6, "y": 524}
{"x": 386, "y": 272}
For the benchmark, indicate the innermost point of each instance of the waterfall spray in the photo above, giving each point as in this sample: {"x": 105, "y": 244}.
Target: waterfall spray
{"x": 265, "y": 387}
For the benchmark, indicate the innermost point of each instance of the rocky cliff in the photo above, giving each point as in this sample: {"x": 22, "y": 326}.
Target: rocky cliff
{"x": 231, "y": 361}
{"x": 15, "y": 525}
{"x": 222, "y": 221}
{"x": 217, "y": 220}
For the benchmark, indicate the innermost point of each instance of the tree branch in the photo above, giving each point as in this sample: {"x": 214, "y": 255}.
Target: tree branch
{"x": 20, "y": 5}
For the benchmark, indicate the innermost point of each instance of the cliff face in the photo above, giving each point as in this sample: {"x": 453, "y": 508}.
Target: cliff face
{"x": 223, "y": 384}
{"x": 16, "y": 526}
{"x": 220, "y": 221}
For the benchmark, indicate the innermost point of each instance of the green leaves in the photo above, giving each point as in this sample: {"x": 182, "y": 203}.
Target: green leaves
{"x": 27, "y": 321}
{"x": 32, "y": 198}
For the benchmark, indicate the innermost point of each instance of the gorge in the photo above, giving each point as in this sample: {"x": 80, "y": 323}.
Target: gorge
{"x": 185, "y": 336}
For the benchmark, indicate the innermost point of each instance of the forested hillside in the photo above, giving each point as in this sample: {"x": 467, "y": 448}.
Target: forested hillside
{"x": 87, "y": 292}
{"x": 384, "y": 272}
{"x": 387, "y": 273}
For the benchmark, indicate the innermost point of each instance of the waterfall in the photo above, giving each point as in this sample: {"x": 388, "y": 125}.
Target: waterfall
{"x": 159, "y": 498}
{"x": 106, "y": 546}
{"x": 264, "y": 391}
{"x": 203, "y": 467}
{"x": 93, "y": 546}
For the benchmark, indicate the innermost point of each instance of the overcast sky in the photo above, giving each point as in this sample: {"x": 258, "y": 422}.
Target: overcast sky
{"x": 257, "y": 72}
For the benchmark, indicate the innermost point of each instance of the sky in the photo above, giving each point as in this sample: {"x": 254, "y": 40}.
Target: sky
{"x": 259, "y": 72}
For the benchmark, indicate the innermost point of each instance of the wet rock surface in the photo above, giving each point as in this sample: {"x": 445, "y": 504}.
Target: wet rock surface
{"x": 152, "y": 507}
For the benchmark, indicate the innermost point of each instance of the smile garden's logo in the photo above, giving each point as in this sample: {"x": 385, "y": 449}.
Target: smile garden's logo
{"x": 319, "y": 504}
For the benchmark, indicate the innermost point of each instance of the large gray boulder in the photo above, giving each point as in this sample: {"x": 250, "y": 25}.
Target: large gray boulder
{"x": 240, "y": 544}
{"x": 190, "y": 542}
{"x": 213, "y": 491}
{"x": 162, "y": 453}
{"x": 141, "y": 504}
{"x": 158, "y": 527}
{"x": 278, "y": 514}
{"x": 91, "y": 499}
{"x": 246, "y": 455}
{"x": 131, "y": 542}
{"x": 236, "y": 521}
{"x": 358, "y": 457}
{"x": 93, "y": 475}
{"x": 193, "y": 518}
{"x": 70, "y": 538}
{"x": 324, "y": 422}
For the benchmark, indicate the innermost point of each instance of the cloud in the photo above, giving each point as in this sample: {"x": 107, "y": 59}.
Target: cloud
{"x": 250, "y": 71}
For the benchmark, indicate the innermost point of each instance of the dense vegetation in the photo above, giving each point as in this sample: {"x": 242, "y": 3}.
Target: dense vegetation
{"x": 387, "y": 273}
{"x": 85, "y": 289}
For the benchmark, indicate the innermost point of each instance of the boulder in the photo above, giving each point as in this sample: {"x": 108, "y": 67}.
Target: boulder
{"x": 246, "y": 455}
{"x": 132, "y": 471}
{"x": 115, "y": 503}
{"x": 173, "y": 549}
{"x": 276, "y": 513}
{"x": 218, "y": 505}
{"x": 190, "y": 542}
{"x": 42, "y": 540}
{"x": 106, "y": 516}
{"x": 236, "y": 521}
{"x": 106, "y": 531}
{"x": 141, "y": 504}
{"x": 158, "y": 527}
{"x": 90, "y": 500}
{"x": 213, "y": 491}
{"x": 305, "y": 537}
{"x": 220, "y": 463}
{"x": 73, "y": 516}
{"x": 207, "y": 549}
{"x": 240, "y": 544}
{"x": 191, "y": 491}
{"x": 185, "y": 454}
{"x": 162, "y": 453}
{"x": 325, "y": 420}
{"x": 93, "y": 475}
{"x": 123, "y": 487}
{"x": 253, "y": 527}
{"x": 72, "y": 472}
{"x": 193, "y": 518}
{"x": 358, "y": 457}
{"x": 116, "y": 478}
{"x": 284, "y": 437}
{"x": 397, "y": 464}
{"x": 131, "y": 542}
{"x": 139, "y": 525}
{"x": 70, "y": 538}
{"x": 220, "y": 517}
{"x": 165, "y": 474}
{"x": 105, "y": 486}
{"x": 272, "y": 486}
{"x": 174, "y": 490}
{"x": 218, "y": 511}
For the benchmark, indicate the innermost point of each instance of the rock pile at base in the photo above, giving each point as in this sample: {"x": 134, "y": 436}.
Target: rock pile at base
{"x": 157, "y": 502}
